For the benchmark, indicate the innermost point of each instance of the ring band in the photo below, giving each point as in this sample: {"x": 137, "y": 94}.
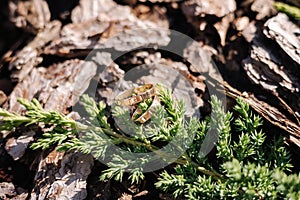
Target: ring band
{"x": 136, "y": 95}
{"x": 147, "y": 114}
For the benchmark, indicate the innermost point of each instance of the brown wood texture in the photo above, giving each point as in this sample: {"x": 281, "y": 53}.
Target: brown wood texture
{"x": 256, "y": 50}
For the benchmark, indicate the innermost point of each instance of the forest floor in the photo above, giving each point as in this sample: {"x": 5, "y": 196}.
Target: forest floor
{"x": 248, "y": 48}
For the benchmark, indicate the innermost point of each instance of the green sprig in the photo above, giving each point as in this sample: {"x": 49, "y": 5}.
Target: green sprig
{"x": 243, "y": 168}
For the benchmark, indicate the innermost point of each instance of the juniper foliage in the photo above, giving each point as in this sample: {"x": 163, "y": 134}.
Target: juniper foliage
{"x": 250, "y": 168}
{"x": 244, "y": 167}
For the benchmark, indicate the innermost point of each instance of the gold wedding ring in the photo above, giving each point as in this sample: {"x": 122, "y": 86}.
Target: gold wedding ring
{"x": 135, "y": 95}
{"x": 148, "y": 113}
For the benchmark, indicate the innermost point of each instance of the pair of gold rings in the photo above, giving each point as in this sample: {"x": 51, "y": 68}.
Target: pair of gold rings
{"x": 136, "y": 95}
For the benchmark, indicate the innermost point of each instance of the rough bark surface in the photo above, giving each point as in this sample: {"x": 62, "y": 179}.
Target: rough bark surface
{"x": 66, "y": 46}
{"x": 277, "y": 70}
{"x": 62, "y": 176}
{"x": 31, "y": 15}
